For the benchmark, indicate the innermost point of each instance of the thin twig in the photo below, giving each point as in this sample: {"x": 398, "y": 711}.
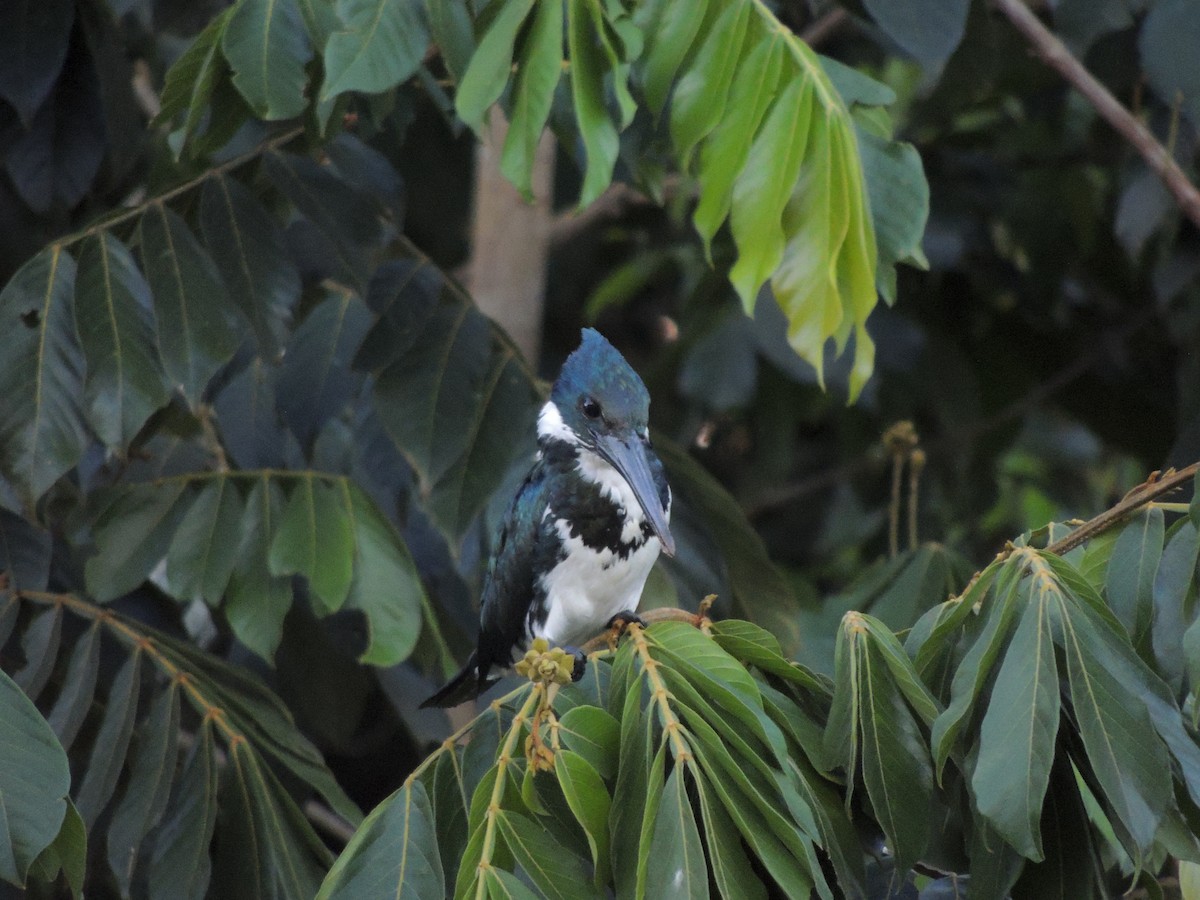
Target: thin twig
{"x": 1056, "y": 55}
{"x": 916, "y": 463}
{"x": 825, "y": 27}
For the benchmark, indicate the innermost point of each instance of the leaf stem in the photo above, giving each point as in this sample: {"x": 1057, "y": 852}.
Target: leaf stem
{"x": 503, "y": 760}
{"x": 659, "y": 694}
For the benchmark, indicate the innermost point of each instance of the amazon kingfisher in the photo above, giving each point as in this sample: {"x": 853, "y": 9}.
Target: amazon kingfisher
{"x": 584, "y": 528}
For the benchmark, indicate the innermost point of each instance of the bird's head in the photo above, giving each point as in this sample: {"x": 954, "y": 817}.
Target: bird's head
{"x": 600, "y": 404}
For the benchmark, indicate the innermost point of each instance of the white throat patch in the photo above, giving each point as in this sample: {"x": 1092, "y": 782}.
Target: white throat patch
{"x": 550, "y": 425}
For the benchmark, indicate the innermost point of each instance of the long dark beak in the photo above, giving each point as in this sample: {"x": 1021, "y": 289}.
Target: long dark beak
{"x": 632, "y": 460}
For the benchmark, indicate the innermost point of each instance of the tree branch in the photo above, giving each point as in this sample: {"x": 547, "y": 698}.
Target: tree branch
{"x": 1056, "y": 54}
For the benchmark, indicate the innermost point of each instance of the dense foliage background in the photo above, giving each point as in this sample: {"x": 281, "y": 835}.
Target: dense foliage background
{"x": 255, "y": 437}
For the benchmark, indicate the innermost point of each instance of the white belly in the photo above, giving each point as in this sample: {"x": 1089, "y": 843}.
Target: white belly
{"x": 589, "y": 587}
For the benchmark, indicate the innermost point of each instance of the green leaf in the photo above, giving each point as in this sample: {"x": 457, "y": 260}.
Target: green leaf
{"x": 315, "y": 381}
{"x": 67, "y": 854}
{"x": 34, "y": 780}
{"x": 24, "y": 554}
{"x": 204, "y": 550}
{"x": 589, "y": 800}
{"x": 35, "y": 42}
{"x": 191, "y": 80}
{"x": 486, "y": 76}
{"x": 197, "y": 325}
{"x": 252, "y": 256}
{"x": 320, "y": 20}
{"x": 148, "y": 787}
{"x": 257, "y": 601}
{"x": 40, "y": 645}
{"x": 450, "y": 24}
{"x": 504, "y": 886}
{"x": 112, "y": 741}
{"x": 699, "y": 100}
{"x": 929, "y": 30}
{"x": 1016, "y": 738}
{"x": 670, "y": 39}
{"x": 267, "y": 849}
{"x": 596, "y": 128}
{"x": 904, "y": 677}
{"x": 267, "y": 47}
{"x": 731, "y": 870}
{"x": 976, "y": 665}
{"x": 895, "y": 760}
{"x": 1129, "y": 584}
{"x": 381, "y": 45}
{"x": 132, "y": 534}
{"x": 899, "y": 196}
{"x": 1129, "y": 762}
{"x": 1173, "y": 583}
{"x": 180, "y": 866}
{"x": 79, "y": 686}
{"x": 386, "y": 587}
{"x": 678, "y": 868}
{"x": 764, "y": 185}
{"x": 724, "y": 155}
{"x": 41, "y": 375}
{"x": 315, "y": 539}
{"x": 556, "y": 872}
{"x": 125, "y": 380}
{"x": 594, "y": 735}
{"x": 539, "y": 71}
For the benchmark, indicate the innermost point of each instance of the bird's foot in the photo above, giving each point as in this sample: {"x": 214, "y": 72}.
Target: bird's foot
{"x": 580, "y": 662}
{"x": 623, "y": 620}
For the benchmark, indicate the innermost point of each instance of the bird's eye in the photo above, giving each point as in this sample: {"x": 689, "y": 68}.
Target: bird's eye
{"x": 590, "y": 408}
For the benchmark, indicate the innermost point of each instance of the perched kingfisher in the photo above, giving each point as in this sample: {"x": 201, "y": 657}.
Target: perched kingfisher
{"x": 584, "y": 528}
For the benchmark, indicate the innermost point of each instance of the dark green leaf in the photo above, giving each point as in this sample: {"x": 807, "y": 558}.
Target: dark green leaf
{"x": 337, "y": 211}
{"x": 132, "y": 535}
{"x": 67, "y": 854}
{"x": 538, "y": 73}
{"x": 34, "y": 36}
{"x": 315, "y": 539}
{"x": 248, "y": 423}
{"x": 899, "y": 197}
{"x": 593, "y": 734}
{"x": 589, "y": 800}
{"x": 34, "y": 780}
{"x": 125, "y": 379}
{"x": 450, "y": 24}
{"x": 112, "y": 741}
{"x": 929, "y": 30}
{"x": 1172, "y": 585}
{"x": 1129, "y": 762}
{"x": 731, "y": 870}
{"x": 190, "y": 82}
{"x": 268, "y": 849}
{"x": 181, "y": 866}
{"x": 197, "y": 325}
{"x": 267, "y": 48}
{"x": 904, "y": 677}
{"x": 315, "y": 381}
{"x": 320, "y": 20}
{"x": 79, "y": 686}
{"x": 249, "y": 249}
{"x": 504, "y": 886}
{"x": 599, "y": 134}
{"x": 386, "y": 587}
{"x": 678, "y": 868}
{"x": 381, "y": 45}
{"x": 148, "y": 787}
{"x": 41, "y": 375}
{"x": 485, "y": 78}
{"x": 204, "y": 550}
{"x": 1169, "y": 29}
{"x": 24, "y": 553}
{"x": 40, "y": 647}
{"x": 895, "y": 761}
{"x": 1016, "y": 739}
{"x": 557, "y": 872}
{"x": 257, "y": 601}
{"x": 760, "y": 591}
{"x": 1130, "y": 581}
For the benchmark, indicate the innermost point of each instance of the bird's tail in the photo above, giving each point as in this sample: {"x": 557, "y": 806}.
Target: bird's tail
{"x": 466, "y": 685}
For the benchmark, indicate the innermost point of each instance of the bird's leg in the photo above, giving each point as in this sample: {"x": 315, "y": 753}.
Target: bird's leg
{"x": 619, "y": 623}
{"x": 580, "y": 662}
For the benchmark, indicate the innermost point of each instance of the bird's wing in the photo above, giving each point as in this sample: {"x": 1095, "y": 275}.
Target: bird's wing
{"x": 526, "y": 545}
